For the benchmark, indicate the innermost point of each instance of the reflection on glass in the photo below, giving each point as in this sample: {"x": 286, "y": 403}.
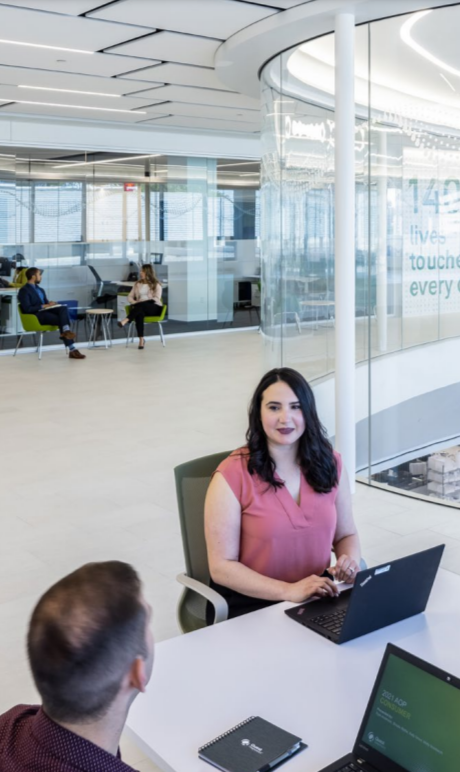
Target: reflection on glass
{"x": 89, "y": 222}
{"x": 407, "y": 160}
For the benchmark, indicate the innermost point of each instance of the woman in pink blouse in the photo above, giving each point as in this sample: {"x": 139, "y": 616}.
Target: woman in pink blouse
{"x": 277, "y": 507}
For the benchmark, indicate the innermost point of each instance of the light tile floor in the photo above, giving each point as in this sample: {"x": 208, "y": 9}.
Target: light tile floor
{"x": 87, "y": 451}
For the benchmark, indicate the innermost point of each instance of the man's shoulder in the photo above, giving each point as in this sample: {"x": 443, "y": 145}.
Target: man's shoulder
{"x": 18, "y": 712}
{"x": 12, "y": 723}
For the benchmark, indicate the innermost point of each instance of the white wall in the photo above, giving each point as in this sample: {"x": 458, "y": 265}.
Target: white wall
{"x": 76, "y": 135}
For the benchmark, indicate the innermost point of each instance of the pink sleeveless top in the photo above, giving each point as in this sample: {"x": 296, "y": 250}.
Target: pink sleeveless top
{"x": 280, "y": 538}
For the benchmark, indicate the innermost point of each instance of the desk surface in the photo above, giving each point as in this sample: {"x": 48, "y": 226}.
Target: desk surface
{"x": 265, "y": 664}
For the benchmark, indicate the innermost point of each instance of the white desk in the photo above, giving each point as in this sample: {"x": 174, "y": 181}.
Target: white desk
{"x": 266, "y": 664}
{"x": 9, "y": 317}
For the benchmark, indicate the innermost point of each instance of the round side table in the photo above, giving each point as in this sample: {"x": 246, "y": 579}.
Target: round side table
{"x": 99, "y": 318}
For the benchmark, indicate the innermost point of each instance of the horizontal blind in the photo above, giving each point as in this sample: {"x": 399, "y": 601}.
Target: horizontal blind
{"x": 104, "y": 212}
{"x": 58, "y": 211}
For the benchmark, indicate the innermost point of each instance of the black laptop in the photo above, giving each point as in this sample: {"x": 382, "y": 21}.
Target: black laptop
{"x": 412, "y": 720}
{"x": 380, "y": 596}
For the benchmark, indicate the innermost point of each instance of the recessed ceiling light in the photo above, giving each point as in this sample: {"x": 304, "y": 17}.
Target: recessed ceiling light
{"x": 40, "y": 45}
{"x": 106, "y": 161}
{"x": 70, "y": 91}
{"x": 71, "y": 107}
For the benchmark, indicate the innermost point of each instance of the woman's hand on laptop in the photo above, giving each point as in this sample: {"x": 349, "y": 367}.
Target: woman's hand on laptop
{"x": 345, "y": 569}
{"x": 313, "y": 585}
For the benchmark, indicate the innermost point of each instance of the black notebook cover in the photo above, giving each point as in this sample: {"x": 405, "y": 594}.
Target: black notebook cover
{"x": 255, "y": 745}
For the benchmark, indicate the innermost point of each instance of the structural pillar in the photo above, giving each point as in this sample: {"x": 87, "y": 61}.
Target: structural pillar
{"x": 382, "y": 260}
{"x": 345, "y": 428}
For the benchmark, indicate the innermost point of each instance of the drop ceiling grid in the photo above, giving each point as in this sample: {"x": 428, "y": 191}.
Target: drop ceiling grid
{"x": 209, "y": 18}
{"x": 155, "y": 57}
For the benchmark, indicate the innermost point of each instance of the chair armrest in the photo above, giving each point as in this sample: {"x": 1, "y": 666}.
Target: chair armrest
{"x": 219, "y": 603}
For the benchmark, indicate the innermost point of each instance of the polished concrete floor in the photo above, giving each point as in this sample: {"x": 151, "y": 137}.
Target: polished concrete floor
{"x": 87, "y": 451}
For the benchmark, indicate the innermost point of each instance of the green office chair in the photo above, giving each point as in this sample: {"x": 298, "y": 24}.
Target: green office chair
{"x": 192, "y": 480}
{"x": 147, "y": 320}
{"x": 30, "y": 324}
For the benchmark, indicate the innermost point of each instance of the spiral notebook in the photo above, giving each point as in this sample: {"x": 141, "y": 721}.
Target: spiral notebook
{"x": 255, "y": 745}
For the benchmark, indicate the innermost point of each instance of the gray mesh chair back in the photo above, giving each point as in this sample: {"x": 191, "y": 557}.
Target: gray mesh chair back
{"x": 192, "y": 480}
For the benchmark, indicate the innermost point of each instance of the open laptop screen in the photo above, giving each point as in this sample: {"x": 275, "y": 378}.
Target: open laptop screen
{"x": 413, "y": 718}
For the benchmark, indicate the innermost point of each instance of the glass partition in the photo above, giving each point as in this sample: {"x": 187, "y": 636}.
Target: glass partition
{"x": 407, "y": 263}
{"x": 89, "y": 221}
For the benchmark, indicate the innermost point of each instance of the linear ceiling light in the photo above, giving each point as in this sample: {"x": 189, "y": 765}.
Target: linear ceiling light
{"x": 239, "y": 163}
{"x": 72, "y": 107}
{"x": 406, "y": 36}
{"x": 70, "y": 91}
{"x": 40, "y": 45}
{"x": 106, "y": 161}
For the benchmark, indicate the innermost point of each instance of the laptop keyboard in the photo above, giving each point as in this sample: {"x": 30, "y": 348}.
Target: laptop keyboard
{"x": 333, "y": 624}
{"x": 350, "y": 767}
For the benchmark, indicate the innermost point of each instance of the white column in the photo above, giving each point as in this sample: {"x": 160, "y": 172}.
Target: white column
{"x": 345, "y": 430}
{"x": 382, "y": 283}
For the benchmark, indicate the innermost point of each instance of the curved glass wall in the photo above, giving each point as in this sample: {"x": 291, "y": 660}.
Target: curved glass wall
{"x": 407, "y": 266}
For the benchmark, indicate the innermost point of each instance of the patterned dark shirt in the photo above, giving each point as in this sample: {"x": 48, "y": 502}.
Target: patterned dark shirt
{"x": 31, "y": 742}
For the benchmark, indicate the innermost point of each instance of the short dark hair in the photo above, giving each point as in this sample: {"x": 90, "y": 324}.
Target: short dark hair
{"x": 315, "y": 453}
{"x": 31, "y": 272}
{"x": 84, "y": 633}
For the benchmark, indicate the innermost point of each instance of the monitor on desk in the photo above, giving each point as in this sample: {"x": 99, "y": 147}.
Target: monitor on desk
{"x": 5, "y": 266}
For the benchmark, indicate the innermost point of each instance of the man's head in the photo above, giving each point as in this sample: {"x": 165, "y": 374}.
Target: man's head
{"x": 34, "y": 275}
{"x": 89, "y": 642}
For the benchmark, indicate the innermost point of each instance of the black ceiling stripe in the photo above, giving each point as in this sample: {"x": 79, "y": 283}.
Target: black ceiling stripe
{"x": 157, "y": 32}
{"x": 155, "y": 84}
{"x": 124, "y": 42}
{"x": 154, "y": 104}
{"x": 98, "y": 7}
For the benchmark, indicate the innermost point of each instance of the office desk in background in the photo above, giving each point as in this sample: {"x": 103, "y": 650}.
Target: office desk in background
{"x": 265, "y": 664}
{"x": 10, "y": 323}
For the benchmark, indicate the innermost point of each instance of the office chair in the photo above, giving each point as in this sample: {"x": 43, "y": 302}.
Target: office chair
{"x": 147, "y": 320}
{"x": 102, "y": 286}
{"x": 5, "y": 266}
{"x": 192, "y": 480}
{"x": 30, "y": 324}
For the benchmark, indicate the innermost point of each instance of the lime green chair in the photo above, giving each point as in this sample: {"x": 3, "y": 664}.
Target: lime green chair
{"x": 30, "y": 324}
{"x": 147, "y": 320}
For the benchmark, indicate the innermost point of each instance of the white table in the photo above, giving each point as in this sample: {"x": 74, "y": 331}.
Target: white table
{"x": 266, "y": 664}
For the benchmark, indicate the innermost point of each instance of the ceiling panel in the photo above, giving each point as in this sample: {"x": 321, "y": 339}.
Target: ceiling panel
{"x": 16, "y": 76}
{"x": 212, "y": 18}
{"x": 53, "y": 29}
{"x": 14, "y": 93}
{"x": 200, "y": 96}
{"x": 173, "y": 47}
{"x": 106, "y": 65}
{"x": 179, "y": 74}
{"x": 205, "y": 123}
{"x": 208, "y": 111}
{"x": 68, "y": 112}
{"x": 72, "y": 7}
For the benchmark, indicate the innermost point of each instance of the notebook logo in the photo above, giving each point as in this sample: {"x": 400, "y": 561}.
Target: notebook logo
{"x": 363, "y": 584}
{"x": 251, "y": 746}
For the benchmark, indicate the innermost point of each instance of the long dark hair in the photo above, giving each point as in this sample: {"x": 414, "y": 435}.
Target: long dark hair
{"x": 315, "y": 454}
{"x": 150, "y": 277}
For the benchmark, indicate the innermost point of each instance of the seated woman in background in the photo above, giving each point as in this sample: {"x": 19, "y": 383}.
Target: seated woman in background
{"x": 145, "y": 300}
{"x": 276, "y": 508}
